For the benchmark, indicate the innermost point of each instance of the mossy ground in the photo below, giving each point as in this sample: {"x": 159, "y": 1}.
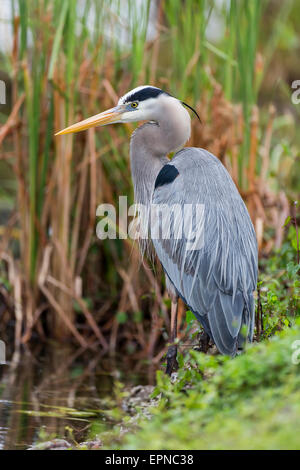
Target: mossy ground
{"x": 251, "y": 402}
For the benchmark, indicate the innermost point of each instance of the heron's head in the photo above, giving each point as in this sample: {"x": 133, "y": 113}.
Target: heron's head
{"x": 144, "y": 103}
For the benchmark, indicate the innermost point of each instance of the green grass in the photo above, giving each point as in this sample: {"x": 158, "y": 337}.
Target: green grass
{"x": 280, "y": 286}
{"x": 251, "y": 402}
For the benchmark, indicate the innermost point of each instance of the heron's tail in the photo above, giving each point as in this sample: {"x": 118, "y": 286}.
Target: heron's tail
{"x": 247, "y": 330}
{"x": 231, "y": 322}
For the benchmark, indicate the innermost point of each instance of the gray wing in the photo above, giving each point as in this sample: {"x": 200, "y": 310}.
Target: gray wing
{"x": 217, "y": 275}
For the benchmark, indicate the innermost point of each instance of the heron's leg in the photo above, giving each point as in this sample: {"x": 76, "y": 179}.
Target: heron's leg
{"x": 172, "y": 349}
{"x": 204, "y": 342}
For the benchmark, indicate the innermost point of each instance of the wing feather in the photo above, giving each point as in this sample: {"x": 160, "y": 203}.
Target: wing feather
{"x": 217, "y": 279}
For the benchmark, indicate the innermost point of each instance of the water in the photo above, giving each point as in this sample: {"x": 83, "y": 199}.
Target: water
{"x": 49, "y": 392}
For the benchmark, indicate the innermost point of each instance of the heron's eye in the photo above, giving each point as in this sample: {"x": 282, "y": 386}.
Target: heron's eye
{"x": 134, "y": 104}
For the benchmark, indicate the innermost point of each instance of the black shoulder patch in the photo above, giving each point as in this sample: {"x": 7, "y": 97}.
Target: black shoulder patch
{"x": 144, "y": 94}
{"x": 166, "y": 175}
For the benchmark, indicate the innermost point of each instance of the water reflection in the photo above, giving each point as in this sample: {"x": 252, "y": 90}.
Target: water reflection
{"x": 46, "y": 391}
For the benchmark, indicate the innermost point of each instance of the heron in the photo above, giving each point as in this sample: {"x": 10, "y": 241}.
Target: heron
{"x": 217, "y": 278}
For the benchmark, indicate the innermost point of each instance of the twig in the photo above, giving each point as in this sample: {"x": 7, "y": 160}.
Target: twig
{"x": 294, "y": 220}
{"x": 259, "y": 315}
{"x": 11, "y": 121}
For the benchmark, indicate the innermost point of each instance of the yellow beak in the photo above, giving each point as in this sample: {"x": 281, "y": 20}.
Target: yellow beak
{"x": 107, "y": 117}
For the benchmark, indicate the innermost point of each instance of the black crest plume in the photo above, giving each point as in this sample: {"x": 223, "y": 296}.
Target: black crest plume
{"x": 194, "y": 111}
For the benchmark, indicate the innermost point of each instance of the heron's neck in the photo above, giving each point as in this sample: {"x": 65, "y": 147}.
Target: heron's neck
{"x": 152, "y": 142}
{"x": 145, "y": 165}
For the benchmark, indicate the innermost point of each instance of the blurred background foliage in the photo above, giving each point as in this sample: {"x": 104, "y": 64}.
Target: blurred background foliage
{"x": 233, "y": 60}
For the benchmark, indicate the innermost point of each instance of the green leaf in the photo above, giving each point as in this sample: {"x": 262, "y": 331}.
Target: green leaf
{"x": 189, "y": 317}
{"x": 122, "y": 317}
